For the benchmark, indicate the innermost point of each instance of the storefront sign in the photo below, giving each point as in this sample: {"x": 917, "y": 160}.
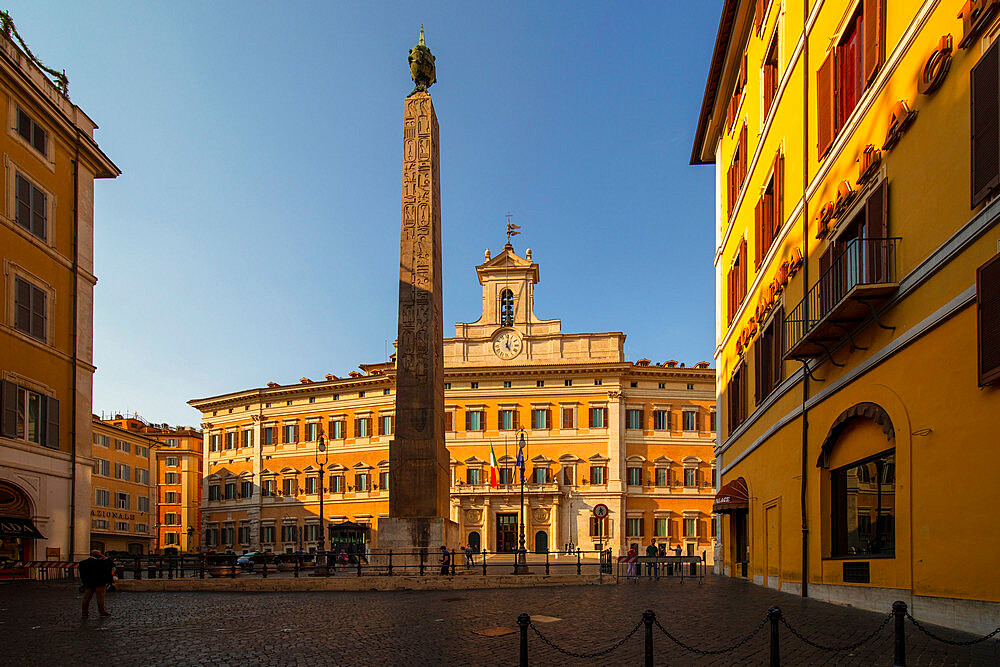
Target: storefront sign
{"x": 768, "y": 296}
{"x": 113, "y": 515}
{"x": 936, "y": 68}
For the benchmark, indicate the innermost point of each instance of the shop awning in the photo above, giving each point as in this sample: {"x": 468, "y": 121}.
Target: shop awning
{"x": 11, "y": 527}
{"x": 733, "y": 495}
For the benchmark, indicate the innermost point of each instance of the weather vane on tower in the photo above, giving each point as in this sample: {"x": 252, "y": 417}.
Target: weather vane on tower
{"x": 511, "y": 228}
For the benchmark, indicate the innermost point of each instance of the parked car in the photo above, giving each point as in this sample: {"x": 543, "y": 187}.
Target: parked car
{"x": 248, "y": 560}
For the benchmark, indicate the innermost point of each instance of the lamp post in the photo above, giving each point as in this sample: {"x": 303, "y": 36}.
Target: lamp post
{"x": 190, "y": 534}
{"x": 521, "y": 444}
{"x": 322, "y": 457}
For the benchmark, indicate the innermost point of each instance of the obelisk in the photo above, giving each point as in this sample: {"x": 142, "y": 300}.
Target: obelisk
{"x": 419, "y": 469}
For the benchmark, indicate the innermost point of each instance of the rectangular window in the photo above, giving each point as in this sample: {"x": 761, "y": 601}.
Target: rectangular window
{"x": 508, "y": 420}
{"x": 267, "y": 488}
{"x": 122, "y": 446}
{"x": 312, "y": 484}
{"x": 690, "y": 528}
{"x": 171, "y": 538}
{"x": 142, "y": 475}
{"x": 246, "y": 489}
{"x": 29, "y": 309}
{"x": 768, "y": 362}
{"x": 268, "y": 434}
{"x": 267, "y": 534}
{"x": 736, "y": 395}
{"x": 171, "y": 519}
{"x": 171, "y": 497}
{"x": 988, "y": 321}
{"x": 170, "y": 461}
{"x": 30, "y": 207}
{"x": 31, "y": 131}
{"x": 736, "y": 282}
{"x": 661, "y": 476}
{"x": 569, "y": 475}
{"x": 506, "y": 384}
{"x": 598, "y": 383}
{"x": 539, "y": 383}
{"x": 383, "y": 481}
{"x": 540, "y": 419}
{"x": 863, "y": 508}
{"x": 312, "y": 432}
{"x": 172, "y": 442}
{"x": 385, "y": 425}
{"x": 99, "y": 524}
{"x": 568, "y": 418}
{"x": 567, "y": 383}
{"x": 244, "y": 534}
{"x": 769, "y": 72}
{"x": 363, "y": 427}
{"x": 660, "y": 527}
{"x": 336, "y": 483}
{"x": 690, "y": 477}
{"x": 540, "y": 475}
{"x": 598, "y": 475}
{"x": 689, "y": 420}
{"x": 769, "y": 212}
{"x": 633, "y": 419}
{"x": 288, "y": 434}
{"x": 598, "y": 417}
{"x": 142, "y": 451}
{"x": 123, "y": 501}
{"x": 289, "y": 533}
{"x": 247, "y": 440}
{"x": 171, "y": 478}
{"x": 473, "y": 385}
{"x": 228, "y": 535}
{"x": 213, "y": 492}
{"x": 102, "y": 497}
{"x": 102, "y": 440}
{"x": 230, "y": 490}
{"x": 123, "y": 471}
{"x": 102, "y": 467}
{"x": 598, "y": 527}
{"x": 634, "y": 476}
{"x": 736, "y": 174}
{"x": 660, "y": 420}
{"x": 142, "y": 503}
{"x": 449, "y": 421}
{"x": 361, "y": 481}
{"x": 337, "y": 429}
{"x": 475, "y": 420}
{"x": 289, "y": 486}
{"x": 447, "y": 385}
{"x": 213, "y": 443}
{"x": 121, "y": 525}
{"x": 633, "y": 526}
{"x": 472, "y": 475}
{"x": 231, "y": 440}
{"x": 711, "y": 421}
{"x": 505, "y": 475}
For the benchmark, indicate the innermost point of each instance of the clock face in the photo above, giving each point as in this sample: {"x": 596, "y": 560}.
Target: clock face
{"x": 507, "y": 344}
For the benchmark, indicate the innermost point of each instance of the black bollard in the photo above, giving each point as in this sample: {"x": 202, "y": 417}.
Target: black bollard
{"x": 484, "y": 562}
{"x": 138, "y": 568}
{"x": 390, "y": 562}
{"x": 546, "y": 562}
{"x": 358, "y": 556}
{"x": 523, "y": 621}
{"x": 774, "y": 615}
{"x": 232, "y": 568}
{"x": 423, "y": 554}
{"x": 648, "y": 617}
{"x": 263, "y": 564}
{"x": 899, "y": 650}
{"x": 578, "y": 561}
{"x": 201, "y": 567}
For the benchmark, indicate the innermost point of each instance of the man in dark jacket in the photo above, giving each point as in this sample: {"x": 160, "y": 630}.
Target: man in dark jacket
{"x": 95, "y": 575}
{"x": 445, "y": 560}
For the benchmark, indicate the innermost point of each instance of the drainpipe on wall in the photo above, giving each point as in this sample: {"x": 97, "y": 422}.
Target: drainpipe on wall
{"x": 805, "y": 295}
{"x": 73, "y": 355}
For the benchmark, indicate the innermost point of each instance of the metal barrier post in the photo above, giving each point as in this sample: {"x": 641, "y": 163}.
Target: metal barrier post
{"x": 484, "y": 562}
{"x": 774, "y": 615}
{"x": 423, "y": 555}
{"x": 390, "y": 562}
{"x": 138, "y": 569}
{"x": 578, "y": 561}
{"x": 296, "y": 566}
{"x": 523, "y": 621}
{"x": 648, "y": 617}
{"x": 546, "y": 562}
{"x": 899, "y": 650}
{"x": 358, "y": 556}
{"x": 201, "y": 567}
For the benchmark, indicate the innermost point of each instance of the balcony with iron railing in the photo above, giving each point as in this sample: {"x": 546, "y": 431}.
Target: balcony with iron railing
{"x": 847, "y": 293}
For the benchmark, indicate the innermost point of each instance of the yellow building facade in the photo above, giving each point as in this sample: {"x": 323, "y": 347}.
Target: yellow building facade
{"x": 123, "y": 499}
{"x": 50, "y": 161}
{"x": 857, "y": 161}
{"x": 177, "y": 470}
{"x": 636, "y": 437}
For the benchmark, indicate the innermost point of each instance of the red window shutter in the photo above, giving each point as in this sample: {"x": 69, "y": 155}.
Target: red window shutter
{"x": 988, "y": 320}
{"x": 590, "y": 417}
{"x": 758, "y": 226}
{"x": 449, "y": 418}
{"x": 985, "y": 103}
{"x": 779, "y": 195}
{"x": 874, "y": 25}
{"x": 825, "y": 106}
{"x": 742, "y": 174}
{"x": 499, "y": 419}
{"x": 517, "y": 419}
{"x": 8, "y": 398}
{"x": 605, "y": 422}
{"x": 759, "y": 15}
{"x": 548, "y": 418}
{"x": 777, "y": 346}
{"x": 743, "y": 74}
{"x": 758, "y": 370}
{"x": 697, "y": 419}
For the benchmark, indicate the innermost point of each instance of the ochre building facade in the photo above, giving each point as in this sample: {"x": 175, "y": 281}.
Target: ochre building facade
{"x": 637, "y": 437}
{"x": 50, "y": 161}
{"x": 857, "y": 161}
{"x": 123, "y": 499}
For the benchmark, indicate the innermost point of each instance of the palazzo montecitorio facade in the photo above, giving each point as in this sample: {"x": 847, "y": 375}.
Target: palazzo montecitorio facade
{"x": 636, "y": 437}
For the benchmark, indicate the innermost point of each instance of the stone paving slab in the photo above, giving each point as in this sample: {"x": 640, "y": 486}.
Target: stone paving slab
{"x": 40, "y": 624}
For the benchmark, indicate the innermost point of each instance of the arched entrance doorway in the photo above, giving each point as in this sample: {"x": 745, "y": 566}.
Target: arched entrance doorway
{"x": 475, "y": 542}
{"x": 17, "y": 531}
{"x": 541, "y": 542}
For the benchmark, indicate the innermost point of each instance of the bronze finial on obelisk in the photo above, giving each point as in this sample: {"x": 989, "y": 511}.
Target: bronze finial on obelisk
{"x": 419, "y": 465}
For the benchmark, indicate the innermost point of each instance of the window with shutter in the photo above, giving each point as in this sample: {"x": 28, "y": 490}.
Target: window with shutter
{"x": 769, "y": 74}
{"x": 825, "y": 104}
{"x": 760, "y": 14}
{"x": 874, "y": 26}
{"x": 988, "y": 320}
{"x": 985, "y": 104}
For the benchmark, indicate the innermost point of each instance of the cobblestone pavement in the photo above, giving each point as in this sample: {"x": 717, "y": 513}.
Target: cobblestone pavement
{"x": 40, "y": 624}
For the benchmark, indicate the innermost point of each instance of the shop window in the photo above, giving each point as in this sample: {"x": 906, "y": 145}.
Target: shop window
{"x": 863, "y": 512}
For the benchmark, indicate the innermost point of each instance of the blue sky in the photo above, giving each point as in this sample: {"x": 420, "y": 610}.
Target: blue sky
{"x": 253, "y": 234}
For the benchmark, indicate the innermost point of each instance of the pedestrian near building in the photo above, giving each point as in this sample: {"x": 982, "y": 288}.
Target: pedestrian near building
{"x": 652, "y": 568}
{"x": 445, "y": 560}
{"x": 96, "y": 573}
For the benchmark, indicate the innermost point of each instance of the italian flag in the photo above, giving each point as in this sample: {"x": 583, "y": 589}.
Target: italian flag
{"x": 493, "y": 469}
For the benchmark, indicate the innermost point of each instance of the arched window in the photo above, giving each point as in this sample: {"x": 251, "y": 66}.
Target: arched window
{"x": 474, "y": 541}
{"x": 541, "y": 542}
{"x": 506, "y": 308}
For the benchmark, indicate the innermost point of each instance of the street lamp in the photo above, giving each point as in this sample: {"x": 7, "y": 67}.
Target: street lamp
{"x": 322, "y": 457}
{"x": 190, "y": 533}
{"x": 521, "y": 444}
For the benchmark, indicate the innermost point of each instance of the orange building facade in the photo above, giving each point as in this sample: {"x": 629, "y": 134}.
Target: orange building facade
{"x": 636, "y": 437}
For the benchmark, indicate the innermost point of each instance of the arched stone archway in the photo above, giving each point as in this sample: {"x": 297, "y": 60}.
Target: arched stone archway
{"x": 872, "y": 411}
{"x": 17, "y": 531}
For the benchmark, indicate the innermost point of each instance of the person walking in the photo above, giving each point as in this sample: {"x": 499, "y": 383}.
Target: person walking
{"x": 96, "y": 573}
{"x": 651, "y": 566}
{"x": 445, "y": 559}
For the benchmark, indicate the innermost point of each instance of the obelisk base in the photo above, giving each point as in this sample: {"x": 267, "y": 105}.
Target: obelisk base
{"x": 406, "y": 537}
